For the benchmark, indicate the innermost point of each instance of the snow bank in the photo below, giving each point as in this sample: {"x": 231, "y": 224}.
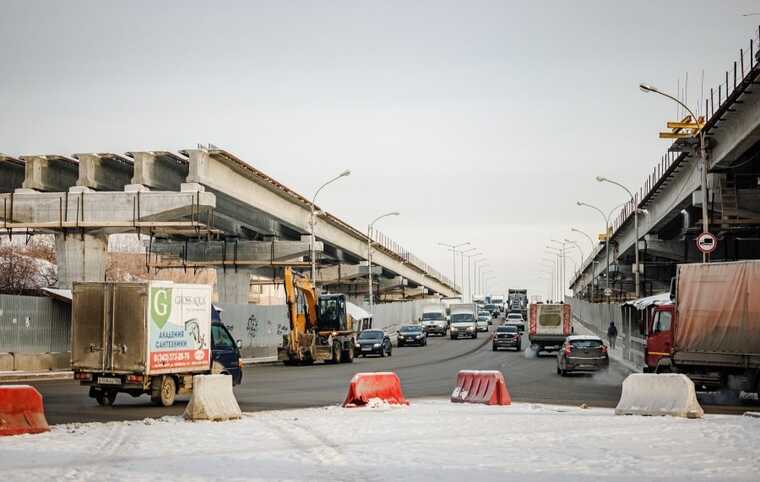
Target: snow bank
{"x": 212, "y": 399}
{"x": 428, "y": 440}
{"x": 664, "y": 394}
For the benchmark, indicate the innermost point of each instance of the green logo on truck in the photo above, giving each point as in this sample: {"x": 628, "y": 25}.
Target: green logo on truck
{"x": 160, "y": 305}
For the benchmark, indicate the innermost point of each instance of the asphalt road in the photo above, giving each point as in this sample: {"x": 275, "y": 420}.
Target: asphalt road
{"x": 424, "y": 372}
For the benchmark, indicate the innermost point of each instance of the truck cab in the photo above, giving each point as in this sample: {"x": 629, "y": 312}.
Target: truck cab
{"x": 225, "y": 353}
{"x": 660, "y": 337}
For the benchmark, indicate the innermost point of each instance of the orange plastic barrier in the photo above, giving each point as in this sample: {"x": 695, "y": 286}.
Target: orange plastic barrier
{"x": 366, "y": 386}
{"x": 486, "y": 386}
{"x": 21, "y": 410}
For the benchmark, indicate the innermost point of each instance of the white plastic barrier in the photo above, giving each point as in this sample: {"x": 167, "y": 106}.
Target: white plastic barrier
{"x": 212, "y": 399}
{"x": 666, "y": 394}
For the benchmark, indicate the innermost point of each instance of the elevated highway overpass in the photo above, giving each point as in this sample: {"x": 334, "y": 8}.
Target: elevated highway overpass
{"x": 671, "y": 197}
{"x": 204, "y": 207}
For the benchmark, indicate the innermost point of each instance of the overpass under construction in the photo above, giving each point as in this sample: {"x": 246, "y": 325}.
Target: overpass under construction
{"x": 198, "y": 208}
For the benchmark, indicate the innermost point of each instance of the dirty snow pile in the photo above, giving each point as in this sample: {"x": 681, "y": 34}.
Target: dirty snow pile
{"x": 428, "y": 440}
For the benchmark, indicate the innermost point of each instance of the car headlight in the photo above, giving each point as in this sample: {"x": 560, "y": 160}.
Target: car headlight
{"x": 376, "y": 345}
{"x": 453, "y": 328}
{"x": 469, "y": 328}
{"x": 419, "y": 336}
{"x": 358, "y": 345}
{"x": 401, "y": 337}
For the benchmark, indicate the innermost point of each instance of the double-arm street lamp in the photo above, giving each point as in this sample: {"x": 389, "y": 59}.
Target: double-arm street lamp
{"x": 453, "y": 248}
{"x": 312, "y": 223}
{"x": 646, "y": 88}
{"x": 369, "y": 257}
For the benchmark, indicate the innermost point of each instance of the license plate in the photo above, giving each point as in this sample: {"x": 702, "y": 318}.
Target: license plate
{"x": 366, "y": 348}
{"x": 109, "y": 381}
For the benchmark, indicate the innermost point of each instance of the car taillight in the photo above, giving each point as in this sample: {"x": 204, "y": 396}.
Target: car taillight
{"x": 604, "y": 348}
{"x": 134, "y": 378}
{"x": 83, "y": 376}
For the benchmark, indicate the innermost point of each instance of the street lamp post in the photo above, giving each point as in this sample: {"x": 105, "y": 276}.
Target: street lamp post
{"x": 369, "y": 258}
{"x": 461, "y": 258}
{"x": 555, "y": 265}
{"x": 553, "y": 271}
{"x": 312, "y": 223}
{"x": 635, "y": 226}
{"x": 584, "y": 233}
{"x": 606, "y": 236}
{"x": 476, "y": 272}
{"x": 453, "y": 248}
{"x": 469, "y": 271}
{"x": 702, "y": 153}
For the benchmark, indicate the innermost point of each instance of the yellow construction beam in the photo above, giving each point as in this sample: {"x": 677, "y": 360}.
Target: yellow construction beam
{"x": 685, "y": 125}
{"x": 675, "y": 135}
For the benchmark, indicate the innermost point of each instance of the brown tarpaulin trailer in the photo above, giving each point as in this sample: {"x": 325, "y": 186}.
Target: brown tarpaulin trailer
{"x": 718, "y": 308}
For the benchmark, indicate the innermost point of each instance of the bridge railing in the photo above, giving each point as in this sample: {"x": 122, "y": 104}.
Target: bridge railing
{"x": 384, "y": 242}
{"x": 737, "y": 79}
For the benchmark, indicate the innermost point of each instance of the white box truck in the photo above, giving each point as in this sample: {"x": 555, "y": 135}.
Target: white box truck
{"x": 463, "y": 320}
{"x": 433, "y": 319}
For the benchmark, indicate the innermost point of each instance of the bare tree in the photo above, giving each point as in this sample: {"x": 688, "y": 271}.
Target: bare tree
{"x": 25, "y": 269}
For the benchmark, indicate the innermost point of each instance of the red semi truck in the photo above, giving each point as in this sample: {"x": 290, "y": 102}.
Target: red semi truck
{"x": 549, "y": 325}
{"x": 710, "y": 331}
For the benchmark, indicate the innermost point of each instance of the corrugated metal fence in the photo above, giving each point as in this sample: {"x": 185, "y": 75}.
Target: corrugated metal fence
{"x": 34, "y": 324}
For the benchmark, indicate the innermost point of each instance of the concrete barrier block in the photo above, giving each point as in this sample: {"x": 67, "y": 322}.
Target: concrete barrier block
{"x": 6, "y": 362}
{"x": 30, "y": 362}
{"x": 666, "y": 394}
{"x": 60, "y": 360}
{"x": 212, "y": 399}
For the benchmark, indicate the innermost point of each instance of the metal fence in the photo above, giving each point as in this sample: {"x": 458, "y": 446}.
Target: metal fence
{"x": 34, "y": 324}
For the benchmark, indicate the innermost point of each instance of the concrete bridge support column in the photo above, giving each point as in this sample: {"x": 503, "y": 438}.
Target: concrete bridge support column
{"x": 80, "y": 258}
{"x": 233, "y": 286}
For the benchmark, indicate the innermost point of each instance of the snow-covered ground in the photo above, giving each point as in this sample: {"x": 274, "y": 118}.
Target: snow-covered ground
{"x": 429, "y": 440}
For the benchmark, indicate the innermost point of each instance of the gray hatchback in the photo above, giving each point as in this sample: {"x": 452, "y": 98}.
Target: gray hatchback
{"x": 582, "y": 353}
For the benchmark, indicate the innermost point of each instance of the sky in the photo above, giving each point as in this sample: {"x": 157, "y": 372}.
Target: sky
{"x": 481, "y": 121}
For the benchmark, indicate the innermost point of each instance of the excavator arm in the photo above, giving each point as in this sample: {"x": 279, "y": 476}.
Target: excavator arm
{"x": 300, "y": 323}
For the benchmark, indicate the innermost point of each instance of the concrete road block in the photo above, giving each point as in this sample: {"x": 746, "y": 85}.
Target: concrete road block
{"x": 666, "y": 394}
{"x": 212, "y": 399}
{"x": 60, "y": 360}
{"x": 6, "y": 362}
{"x": 30, "y": 362}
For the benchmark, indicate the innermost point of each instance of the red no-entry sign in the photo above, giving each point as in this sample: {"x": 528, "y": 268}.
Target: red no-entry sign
{"x": 706, "y": 243}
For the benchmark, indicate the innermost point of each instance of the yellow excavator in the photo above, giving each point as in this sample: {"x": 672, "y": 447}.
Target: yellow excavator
{"x": 320, "y": 327}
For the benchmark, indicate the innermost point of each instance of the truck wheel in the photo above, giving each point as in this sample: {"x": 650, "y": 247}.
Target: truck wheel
{"x": 167, "y": 392}
{"x": 106, "y": 398}
{"x": 348, "y": 356}
{"x": 336, "y": 353}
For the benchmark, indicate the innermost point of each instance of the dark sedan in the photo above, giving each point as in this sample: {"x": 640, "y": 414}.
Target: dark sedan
{"x": 373, "y": 342}
{"x": 585, "y": 353}
{"x": 412, "y": 335}
{"x": 507, "y": 336}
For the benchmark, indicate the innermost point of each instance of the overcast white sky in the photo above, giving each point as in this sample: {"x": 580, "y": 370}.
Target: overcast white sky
{"x": 479, "y": 121}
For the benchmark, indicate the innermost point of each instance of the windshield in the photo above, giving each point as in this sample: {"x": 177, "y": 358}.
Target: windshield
{"x": 490, "y": 307}
{"x": 484, "y": 317}
{"x": 508, "y": 329}
{"x": 370, "y": 335}
{"x": 514, "y": 316}
{"x": 432, "y": 316}
{"x": 484, "y": 313}
{"x": 462, "y": 318}
{"x": 410, "y": 329}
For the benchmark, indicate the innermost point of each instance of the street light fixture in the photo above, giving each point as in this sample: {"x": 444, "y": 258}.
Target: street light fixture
{"x": 312, "y": 223}
{"x": 646, "y": 88}
{"x": 635, "y": 226}
{"x": 584, "y": 233}
{"x": 369, "y": 258}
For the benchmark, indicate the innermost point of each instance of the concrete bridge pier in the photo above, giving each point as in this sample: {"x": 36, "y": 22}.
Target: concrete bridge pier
{"x": 233, "y": 286}
{"x": 80, "y": 257}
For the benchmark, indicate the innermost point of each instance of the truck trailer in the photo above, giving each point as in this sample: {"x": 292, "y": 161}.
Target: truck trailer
{"x": 710, "y": 330}
{"x": 147, "y": 338}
